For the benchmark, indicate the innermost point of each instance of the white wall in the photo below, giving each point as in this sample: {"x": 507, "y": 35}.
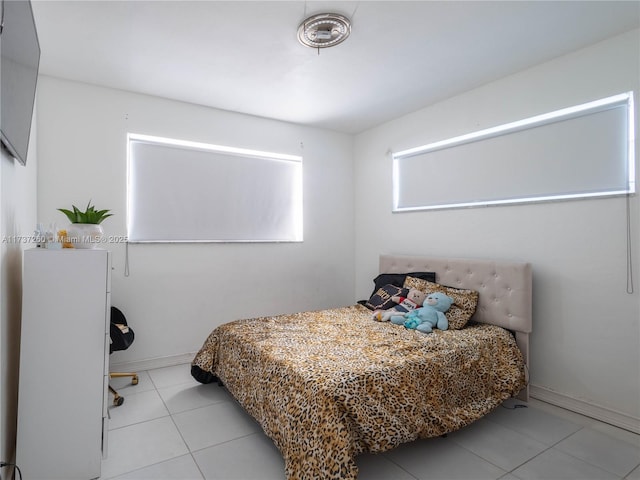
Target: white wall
{"x": 177, "y": 293}
{"x": 17, "y": 222}
{"x": 586, "y": 338}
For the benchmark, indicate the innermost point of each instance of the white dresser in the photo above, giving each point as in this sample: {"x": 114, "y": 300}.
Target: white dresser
{"x": 64, "y": 363}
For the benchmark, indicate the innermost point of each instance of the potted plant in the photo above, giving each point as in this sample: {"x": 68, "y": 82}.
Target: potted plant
{"x": 85, "y": 230}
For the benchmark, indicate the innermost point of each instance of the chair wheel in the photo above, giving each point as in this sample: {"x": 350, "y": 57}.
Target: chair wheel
{"x": 134, "y": 380}
{"x": 118, "y": 400}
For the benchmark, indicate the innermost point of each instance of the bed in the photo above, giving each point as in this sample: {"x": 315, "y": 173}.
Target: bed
{"x": 331, "y": 384}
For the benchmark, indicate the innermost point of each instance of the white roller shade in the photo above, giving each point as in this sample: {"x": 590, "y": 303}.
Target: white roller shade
{"x": 582, "y": 151}
{"x": 188, "y": 192}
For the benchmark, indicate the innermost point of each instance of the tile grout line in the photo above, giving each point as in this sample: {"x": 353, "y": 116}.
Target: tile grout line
{"x": 552, "y": 446}
{"x": 178, "y": 429}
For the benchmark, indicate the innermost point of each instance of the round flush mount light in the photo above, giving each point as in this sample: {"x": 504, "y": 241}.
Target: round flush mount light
{"x": 324, "y": 30}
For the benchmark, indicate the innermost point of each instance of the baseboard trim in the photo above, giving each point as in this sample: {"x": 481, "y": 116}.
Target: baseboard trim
{"x": 151, "y": 363}
{"x": 587, "y": 409}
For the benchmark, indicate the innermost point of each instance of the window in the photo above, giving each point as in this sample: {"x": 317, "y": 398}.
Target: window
{"x": 576, "y": 152}
{"x": 179, "y": 191}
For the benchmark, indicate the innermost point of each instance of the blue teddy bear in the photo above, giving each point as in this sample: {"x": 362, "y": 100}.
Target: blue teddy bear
{"x": 430, "y": 315}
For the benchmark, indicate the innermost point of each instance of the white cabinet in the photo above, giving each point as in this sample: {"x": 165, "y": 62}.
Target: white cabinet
{"x": 64, "y": 363}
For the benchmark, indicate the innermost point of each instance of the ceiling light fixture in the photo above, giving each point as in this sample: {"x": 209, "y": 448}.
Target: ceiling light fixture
{"x": 324, "y": 30}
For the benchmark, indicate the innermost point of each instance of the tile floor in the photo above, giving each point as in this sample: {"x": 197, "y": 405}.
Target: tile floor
{"x": 171, "y": 427}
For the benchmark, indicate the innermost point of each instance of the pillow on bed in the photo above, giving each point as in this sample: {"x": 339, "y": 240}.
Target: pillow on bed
{"x": 398, "y": 279}
{"x": 381, "y": 299}
{"x": 464, "y": 301}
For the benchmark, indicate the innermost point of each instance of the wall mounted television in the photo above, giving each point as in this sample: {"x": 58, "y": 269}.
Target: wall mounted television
{"x": 20, "y": 60}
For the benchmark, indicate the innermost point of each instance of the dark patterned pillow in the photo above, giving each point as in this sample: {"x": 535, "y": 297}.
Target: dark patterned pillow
{"x": 398, "y": 279}
{"x": 464, "y": 301}
{"x": 381, "y": 299}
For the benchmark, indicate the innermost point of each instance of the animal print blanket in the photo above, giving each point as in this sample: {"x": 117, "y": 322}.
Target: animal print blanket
{"x": 330, "y": 384}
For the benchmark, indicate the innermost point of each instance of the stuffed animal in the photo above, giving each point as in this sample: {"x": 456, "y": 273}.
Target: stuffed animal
{"x": 413, "y": 300}
{"x": 430, "y": 315}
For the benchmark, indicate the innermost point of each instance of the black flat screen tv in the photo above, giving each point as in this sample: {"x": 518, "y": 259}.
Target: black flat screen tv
{"x": 20, "y": 52}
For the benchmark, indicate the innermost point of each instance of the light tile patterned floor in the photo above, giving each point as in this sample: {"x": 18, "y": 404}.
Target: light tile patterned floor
{"x": 172, "y": 428}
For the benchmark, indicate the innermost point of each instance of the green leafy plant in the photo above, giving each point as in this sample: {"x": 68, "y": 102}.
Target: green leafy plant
{"x": 90, "y": 215}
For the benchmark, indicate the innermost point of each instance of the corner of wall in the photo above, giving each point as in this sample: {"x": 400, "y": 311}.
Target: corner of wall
{"x": 18, "y": 192}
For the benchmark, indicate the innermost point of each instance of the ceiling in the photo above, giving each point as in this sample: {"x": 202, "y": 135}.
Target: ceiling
{"x": 244, "y": 56}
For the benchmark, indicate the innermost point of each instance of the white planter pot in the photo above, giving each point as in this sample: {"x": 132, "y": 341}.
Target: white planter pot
{"x": 84, "y": 235}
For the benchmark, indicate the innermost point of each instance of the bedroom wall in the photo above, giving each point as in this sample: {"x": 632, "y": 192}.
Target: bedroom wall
{"x": 177, "y": 293}
{"x": 585, "y": 347}
{"x": 17, "y": 221}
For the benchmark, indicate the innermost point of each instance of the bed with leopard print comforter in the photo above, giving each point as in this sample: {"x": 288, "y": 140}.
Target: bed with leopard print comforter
{"x": 331, "y": 384}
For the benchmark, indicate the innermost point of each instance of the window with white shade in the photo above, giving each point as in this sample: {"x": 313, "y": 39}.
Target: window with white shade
{"x": 181, "y": 191}
{"x": 577, "y": 152}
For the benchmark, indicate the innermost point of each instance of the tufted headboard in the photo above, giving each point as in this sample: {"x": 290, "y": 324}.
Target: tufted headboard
{"x": 505, "y": 288}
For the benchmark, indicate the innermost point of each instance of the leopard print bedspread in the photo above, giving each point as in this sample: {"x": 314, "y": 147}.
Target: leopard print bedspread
{"x": 331, "y": 384}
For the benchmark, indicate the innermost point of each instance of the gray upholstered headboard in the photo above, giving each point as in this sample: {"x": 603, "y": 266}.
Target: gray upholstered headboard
{"x": 505, "y": 288}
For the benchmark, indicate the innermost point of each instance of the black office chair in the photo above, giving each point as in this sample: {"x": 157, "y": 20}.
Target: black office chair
{"x": 122, "y": 337}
